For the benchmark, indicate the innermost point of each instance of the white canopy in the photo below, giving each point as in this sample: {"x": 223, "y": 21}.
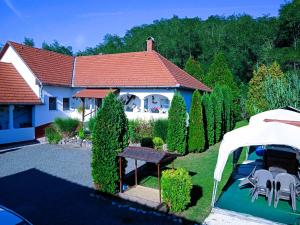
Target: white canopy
{"x": 278, "y": 114}
{"x": 259, "y": 133}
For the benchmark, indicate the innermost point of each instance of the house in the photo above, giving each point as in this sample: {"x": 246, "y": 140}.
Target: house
{"x": 39, "y": 85}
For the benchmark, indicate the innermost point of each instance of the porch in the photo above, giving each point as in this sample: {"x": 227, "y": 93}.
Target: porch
{"x": 143, "y": 105}
{"x": 16, "y": 123}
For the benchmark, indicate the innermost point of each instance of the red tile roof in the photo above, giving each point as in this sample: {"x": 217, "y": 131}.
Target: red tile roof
{"x": 13, "y": 88}
{"x": 93, "y": 93}
{"x": 49, "y": 67}
{"x": 135, "y": 69}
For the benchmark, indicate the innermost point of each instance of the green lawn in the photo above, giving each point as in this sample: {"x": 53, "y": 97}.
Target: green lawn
{"x": 201, "y": 166}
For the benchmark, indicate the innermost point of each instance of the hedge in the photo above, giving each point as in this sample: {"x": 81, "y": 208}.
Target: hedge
{"x": 160, "y": 129}
{"x": 176, "y": 188}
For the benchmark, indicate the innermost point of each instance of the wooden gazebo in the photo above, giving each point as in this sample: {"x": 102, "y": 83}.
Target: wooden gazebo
{"x": 148, "y": 155}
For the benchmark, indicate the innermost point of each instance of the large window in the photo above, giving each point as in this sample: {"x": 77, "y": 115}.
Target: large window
{"x": 66, "y": 104}
{"x": 52, "y": 103}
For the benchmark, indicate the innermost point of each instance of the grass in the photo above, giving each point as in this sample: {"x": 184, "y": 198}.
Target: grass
{"x": 201, "y": 167}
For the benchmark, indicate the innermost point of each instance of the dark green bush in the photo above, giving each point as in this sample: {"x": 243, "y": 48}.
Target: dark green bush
{"x": 139, "y": 129}
{"x": 110, "y": 137}
{"x": 66, "y": 126}
{"x": 196, "y": 142}
{"x": 158, "y": 143}
{"x": 52, "y": 135}
{"x": 160, "y": 129}
{"x": 209, "y": 118}
{"x": 176, "y": 189}
{"x": 176, "y": 138}
{"x": 147, "y": 142}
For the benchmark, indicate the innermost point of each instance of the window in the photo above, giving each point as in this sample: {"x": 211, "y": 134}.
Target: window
{"x": 52, "y": 103}
{"x": 66, "y": 104}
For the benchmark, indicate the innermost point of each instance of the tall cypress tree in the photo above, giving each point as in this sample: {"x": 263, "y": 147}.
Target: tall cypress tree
{"x": 194, "y": 68}
{"x": 217, "y": 101}
{"x": 176, "y": 139}
{"x": 109, "y": 138}
{"x": 196, "y": 141}
{"x": 209, "y": 118}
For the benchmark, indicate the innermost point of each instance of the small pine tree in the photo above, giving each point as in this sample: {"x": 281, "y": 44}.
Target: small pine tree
{"x": 194, "y": 68}
{"x": 176, "y": 138}
{"x": 196, "y": 142}
{"x": 209, "y": 119}
{"x": 109, "y": 138}
{"x": 257, "y": 101}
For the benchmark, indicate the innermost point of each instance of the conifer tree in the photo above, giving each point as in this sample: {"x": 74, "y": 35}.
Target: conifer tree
{"x": 257, "y": 101}
{"x": 208, "y": 118}
{"x": 194, "y": 68}
{"x": 109, "y": 138}
{"x": 196, "y": 141}
{"x": 176, "y": 138}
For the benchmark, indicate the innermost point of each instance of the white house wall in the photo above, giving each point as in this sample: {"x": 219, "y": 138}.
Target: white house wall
{"x": 11, "y": 56}
{"x": 42, "y": 113}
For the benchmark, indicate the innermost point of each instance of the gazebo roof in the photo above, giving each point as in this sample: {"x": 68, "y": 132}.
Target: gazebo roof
{"x": 147, "y": 154}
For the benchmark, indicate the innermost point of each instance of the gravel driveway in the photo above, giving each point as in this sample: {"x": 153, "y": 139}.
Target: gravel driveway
{"x": 69, "y": 163}
{"x": 51, "y": 184}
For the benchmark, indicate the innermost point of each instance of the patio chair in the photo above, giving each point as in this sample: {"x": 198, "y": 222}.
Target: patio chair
{"x": 285, "y": 185}
{"x": 249, "y": 179}
{"x": 263, "y": 185}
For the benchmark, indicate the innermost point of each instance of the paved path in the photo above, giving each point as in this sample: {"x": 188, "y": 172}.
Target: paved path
{"x": 51, "y": 184}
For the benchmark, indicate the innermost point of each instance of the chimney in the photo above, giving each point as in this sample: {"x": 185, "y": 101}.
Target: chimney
{"x": 150, "y": 44}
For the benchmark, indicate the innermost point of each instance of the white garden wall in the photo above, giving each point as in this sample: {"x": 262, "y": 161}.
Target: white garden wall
{"x": 16, "y": 135}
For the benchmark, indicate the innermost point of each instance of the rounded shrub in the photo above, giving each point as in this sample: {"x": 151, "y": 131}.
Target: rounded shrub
{"x": 52, "y": 135}
{"x": 91, "y": 124}
{"x": 158, "y": 143}
{"x": 176, "y": 189}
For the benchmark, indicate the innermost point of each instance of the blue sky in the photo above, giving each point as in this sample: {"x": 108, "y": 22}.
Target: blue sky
{"x": 82, "y": 23}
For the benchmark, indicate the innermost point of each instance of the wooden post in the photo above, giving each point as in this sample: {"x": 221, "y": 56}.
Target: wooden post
{"x": 83, "y": 109}
{"x": 120, "y": 170}
{"x": 158, "y": 174}
{"x": 135, "y": 172}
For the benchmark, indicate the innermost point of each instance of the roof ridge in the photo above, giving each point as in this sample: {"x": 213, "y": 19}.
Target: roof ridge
{"x": 110, "y": 54}
{"x": 39, "y": 49}
{"x": 164, "y": 65}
